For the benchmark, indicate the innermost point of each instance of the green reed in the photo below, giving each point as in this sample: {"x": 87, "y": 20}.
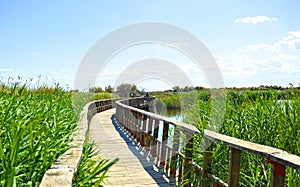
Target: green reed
{"x": 265, "y": 117}
{"x": 92, "y": 169}
{"x": 35, "y": 128}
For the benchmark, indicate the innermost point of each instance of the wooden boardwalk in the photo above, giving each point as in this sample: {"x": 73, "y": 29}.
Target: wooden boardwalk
{"x": 134, "y": 168}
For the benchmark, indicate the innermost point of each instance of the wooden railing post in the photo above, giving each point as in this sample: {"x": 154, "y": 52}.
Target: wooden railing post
{"x": 144, "y": 127}
{"x": 188, "y": 159}
{"x": 234, "y": 167}
{"x": 139, "y": 131}
{"x": 279, "y": 158}
{"x": 174, "y": 159}
{"x": 126, "y": 118}
{"x": 163, "y": 154}
{"x": 154, "y": 147}
{"x": 149, "y": 134}
{"x": 180, "y": 169}
{"x": 136, "y": 126}
{"x": 277, "y": 175}
{"x": 130, "y": 121}
{"x": 207, "y": 160}
{"x": 132, "y": 126}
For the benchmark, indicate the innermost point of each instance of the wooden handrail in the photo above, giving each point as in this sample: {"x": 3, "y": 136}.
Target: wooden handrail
{"x": 136, "y": 121}
{"x": 276, "y": 155}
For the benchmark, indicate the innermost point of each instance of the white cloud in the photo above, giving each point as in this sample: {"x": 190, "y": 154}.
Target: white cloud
{"x": 265, "y": 63}
{"x": 255, "y": 19}
{"x": 264, "y": 47}
{"x": 5, "y": 70}
{"x": 291, "y": 42}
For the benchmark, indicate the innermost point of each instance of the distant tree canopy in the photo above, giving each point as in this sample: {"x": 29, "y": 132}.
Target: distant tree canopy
{"x": 96, "y": 90}
{"x": 185, "y": 89}
{"x": 107, "y": 89}
{"x": 125, "y": 90}
{"x": 259, "y": 88}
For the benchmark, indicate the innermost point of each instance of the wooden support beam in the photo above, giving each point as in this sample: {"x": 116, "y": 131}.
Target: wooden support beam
{"x": 278, "y": 174}
{"x": 149, "y": 134}
{"x": 174, "y": 159}
{"x": 188, "y": 159}
{"x": 180, "y": 169}
{"x": 207, "y": 160}
{"x": 155, "y": 136}
{"x": 163, "y": 154}
{"x": 136, "y": 126}
{"x": 234, "y": 168}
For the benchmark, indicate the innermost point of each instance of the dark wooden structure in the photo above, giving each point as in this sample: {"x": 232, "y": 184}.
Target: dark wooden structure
{"x": 145, "y": 127}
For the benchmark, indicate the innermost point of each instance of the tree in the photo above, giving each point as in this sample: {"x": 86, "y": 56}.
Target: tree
{"x": 176, "y": 88}
{"x": 95, "y": 90}
{"x": 109, "y": 89}
{"x": 187, "y": 89}
{"x": 124, "y": 90}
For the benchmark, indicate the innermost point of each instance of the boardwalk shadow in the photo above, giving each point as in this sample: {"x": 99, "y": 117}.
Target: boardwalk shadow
{"x": 148, "y": 163}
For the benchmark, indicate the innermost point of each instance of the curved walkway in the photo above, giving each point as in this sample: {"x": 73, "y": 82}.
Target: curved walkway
{"x": 134, "y": 167}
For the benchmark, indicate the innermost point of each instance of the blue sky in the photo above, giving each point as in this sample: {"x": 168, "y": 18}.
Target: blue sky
{"x": 254, "y": 42}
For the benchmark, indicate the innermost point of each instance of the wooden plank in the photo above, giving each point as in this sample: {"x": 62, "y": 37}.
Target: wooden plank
{"x": 143, "y": 129}
{"x": 274, "y": 154}
{"x": 277, "y": 155}
{"x": 282, "y": 158}
{"x": 207, "y": 160}
{"x": 132, "y": 169}
{"x": 136, "y": 126}
{"x": 187, "y": 127}
{"x": 154, "y": 138}
{"x": 277, "y": 174}
{"x": 234, "y": 168}
{"x": 188, "y": 159}
{"x": 163, "y": 154}
{"x": 175, "y": 149}
{"x": 149, "y": 134}
{"x": 131, "y": 119}
{"x": 181, "y": 157}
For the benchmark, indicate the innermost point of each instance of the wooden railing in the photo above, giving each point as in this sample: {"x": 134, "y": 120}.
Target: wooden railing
{"x": 62, "y": 172}
{"x": 177, "y": 164}
{"x": 99, "y": 106}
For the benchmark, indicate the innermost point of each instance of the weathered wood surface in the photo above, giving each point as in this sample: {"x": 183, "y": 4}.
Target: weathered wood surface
{"x": 133, "y": 169}
{"x": 278, "y": 158}
{"x": 277, "y": 155}
{"x": 234, "y": 167}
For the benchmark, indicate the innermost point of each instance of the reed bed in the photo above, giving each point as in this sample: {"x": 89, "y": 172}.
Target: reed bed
{"x": 266, "y": 117}
{"x": 36, "y": 126}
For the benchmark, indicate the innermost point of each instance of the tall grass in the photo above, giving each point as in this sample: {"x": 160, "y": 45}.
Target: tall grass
{"x": 35, "y": 128}
{"x": 92, "y": 169}
{"x": 105, "y": 95}
{"x": 269, "y": 118}
{"x": 170, "y": 100}
{"x": 260, "y": 118}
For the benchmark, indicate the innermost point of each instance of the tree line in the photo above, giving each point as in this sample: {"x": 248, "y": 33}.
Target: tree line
{"x": 126, "y": 89}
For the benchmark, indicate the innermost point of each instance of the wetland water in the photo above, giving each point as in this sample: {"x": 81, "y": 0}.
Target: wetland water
{"x": 173, "y": 114}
